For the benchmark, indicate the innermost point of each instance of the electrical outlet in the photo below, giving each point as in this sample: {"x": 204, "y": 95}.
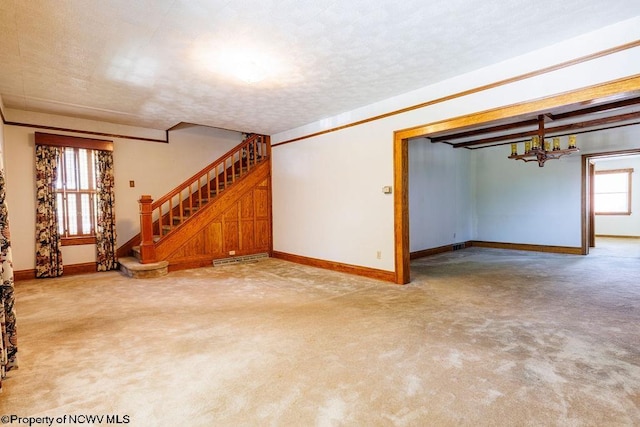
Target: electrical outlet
{"x": 379, "y": 254}
{"x": 232, "y": 253}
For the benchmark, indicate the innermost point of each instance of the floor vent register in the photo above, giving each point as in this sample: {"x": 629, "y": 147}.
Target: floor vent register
{"x": 240, "y": 259}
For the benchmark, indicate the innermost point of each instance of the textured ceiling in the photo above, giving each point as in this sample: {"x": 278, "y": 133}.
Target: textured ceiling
{"x": 156, "y": 63}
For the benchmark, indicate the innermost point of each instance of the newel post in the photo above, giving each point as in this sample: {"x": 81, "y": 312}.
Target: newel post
{"x": 147, "y": 247}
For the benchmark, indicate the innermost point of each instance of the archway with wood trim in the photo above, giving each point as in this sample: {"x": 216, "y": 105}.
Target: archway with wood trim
{"x": 401, "y": 153}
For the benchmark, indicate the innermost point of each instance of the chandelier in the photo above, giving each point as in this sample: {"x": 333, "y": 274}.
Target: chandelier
{"x": 540, "y": 150}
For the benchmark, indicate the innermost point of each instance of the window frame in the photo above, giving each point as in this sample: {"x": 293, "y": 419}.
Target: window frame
{"x": 65, "y": 141}
{"x": 629, "y": 172}
{"x": 77, "y": 239}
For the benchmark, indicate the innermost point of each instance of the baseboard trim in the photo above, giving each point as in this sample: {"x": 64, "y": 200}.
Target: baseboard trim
{"x": 439, "y": 250}
{"x": 69, "y": 270}
{"x": 527, "y": 247}
{"x": 24, "y": 275}
{"x": 617, "y": 237}
{"x": 387, "y": 276}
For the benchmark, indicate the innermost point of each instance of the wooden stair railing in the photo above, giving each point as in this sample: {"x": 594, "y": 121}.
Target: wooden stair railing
{"x": 159, "y": 218}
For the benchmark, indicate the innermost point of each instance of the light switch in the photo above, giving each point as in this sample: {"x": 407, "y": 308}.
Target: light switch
{"x": 132, "y": 184}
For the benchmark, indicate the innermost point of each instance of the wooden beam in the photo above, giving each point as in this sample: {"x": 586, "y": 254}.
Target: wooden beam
{"x": 596, "y": 108}
{"x": 531, "y": 122}
{"x": 553, "y": 130}
{"x": 526, "y": 134}
{"x": 622, "y": 87}
{"x": 575, "y": 132}
{"x": 499, "y": 128}
{"x": 595, "y": 122}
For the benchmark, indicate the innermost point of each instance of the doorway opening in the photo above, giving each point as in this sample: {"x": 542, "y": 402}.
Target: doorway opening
{"x": 580, "y": 99}
{"x": 611, "y": 209}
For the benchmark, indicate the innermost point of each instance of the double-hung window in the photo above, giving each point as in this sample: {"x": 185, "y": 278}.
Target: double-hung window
{"x": 76, "y": 195}
{"x": 612, "y": 192}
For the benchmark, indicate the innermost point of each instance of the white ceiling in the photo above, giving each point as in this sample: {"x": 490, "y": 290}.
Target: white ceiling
{"x": 156, "y": 63}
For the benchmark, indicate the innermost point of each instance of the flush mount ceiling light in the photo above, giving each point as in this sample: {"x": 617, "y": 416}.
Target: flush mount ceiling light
{"x": 249, "y": 64}
{"x": 247, "y": 69}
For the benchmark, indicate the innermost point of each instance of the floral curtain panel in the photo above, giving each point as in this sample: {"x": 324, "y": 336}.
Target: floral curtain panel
{"x": 8, "y": 343}
{"x": 106, "y": 225}
{"x": 48, "y": 243}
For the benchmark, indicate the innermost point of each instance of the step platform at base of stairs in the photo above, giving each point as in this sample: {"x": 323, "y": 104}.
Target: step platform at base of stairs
{"x": 130, "y": 266}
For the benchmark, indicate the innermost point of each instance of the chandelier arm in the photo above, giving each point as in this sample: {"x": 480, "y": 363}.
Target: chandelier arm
{"x": 541, "y": 156}
{"x": 526, "y": 160}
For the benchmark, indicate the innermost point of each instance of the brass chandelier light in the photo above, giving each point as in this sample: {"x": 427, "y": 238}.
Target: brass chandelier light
{"x": 541, "y": 150}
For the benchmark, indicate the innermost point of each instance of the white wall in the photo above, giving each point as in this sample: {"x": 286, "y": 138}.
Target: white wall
{"x": 622, "y": 225}
{"x": 155, "y": 167}
{"x": 330, "y": 200}
{"x": 327, "y": 201}
{"x": 521, "y": 202}
{"x": 524, "y": 203}
{"x": 441, "y": 198}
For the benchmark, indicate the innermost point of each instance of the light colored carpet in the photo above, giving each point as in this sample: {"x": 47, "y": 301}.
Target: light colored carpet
{"x": 480, "y": 337}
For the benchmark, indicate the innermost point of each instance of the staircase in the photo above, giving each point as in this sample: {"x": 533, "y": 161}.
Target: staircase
{"x": 223, "y": 210}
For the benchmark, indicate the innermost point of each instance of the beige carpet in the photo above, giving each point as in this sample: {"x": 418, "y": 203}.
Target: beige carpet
{"x": 480, "y": 337}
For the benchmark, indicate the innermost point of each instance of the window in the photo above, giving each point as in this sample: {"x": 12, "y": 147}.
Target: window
{"x": 613, "y": 192}
{"x": 67, "y": 205}
{"x": 76, "y": 195}
{"x": 75, "y": 187}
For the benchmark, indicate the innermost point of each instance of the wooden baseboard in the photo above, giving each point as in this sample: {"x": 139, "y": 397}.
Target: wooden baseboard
{"x": 69, "y": 270}
{"x": 439, "y": 250}
{"x": 388, "y": 276}
{"x": 617, "y": 237}
{"x": 19, "y": 275}
{"x": 527, "y": 247}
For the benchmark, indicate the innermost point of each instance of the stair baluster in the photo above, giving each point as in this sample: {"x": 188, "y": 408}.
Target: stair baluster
{"x": 159, "y": 218}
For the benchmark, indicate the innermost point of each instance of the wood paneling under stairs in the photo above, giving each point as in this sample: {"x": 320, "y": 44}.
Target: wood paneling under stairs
{"x": 238, "y": 223}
